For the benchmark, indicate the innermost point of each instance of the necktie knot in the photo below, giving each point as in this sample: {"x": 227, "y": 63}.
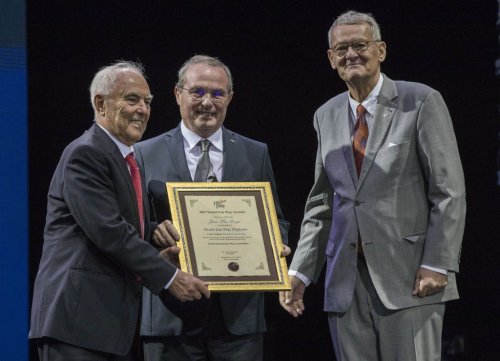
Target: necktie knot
{"x": 130, "y": 159}
{"x": 204, "y": 144}
{"x": 360, "y": 111}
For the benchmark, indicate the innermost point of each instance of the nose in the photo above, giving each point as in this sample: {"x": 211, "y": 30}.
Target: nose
{"x": 207, "y": 99}
{"x": 143, "y": 106}
{"x": 351, "y": 53}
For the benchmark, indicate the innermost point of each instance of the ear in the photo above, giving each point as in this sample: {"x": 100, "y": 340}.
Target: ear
{"x": 99, "y": 104}
{"x": 177, "y": 94}
{"x": 382, "y": 51}
{"x": 331, "y": 58}
{"x": 229, "y": 98}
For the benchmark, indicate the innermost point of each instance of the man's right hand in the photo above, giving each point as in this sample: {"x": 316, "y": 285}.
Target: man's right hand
{"x": 293, "y": 301}
{"x": 186, "y": 287}
{"x": 171, "y": 254}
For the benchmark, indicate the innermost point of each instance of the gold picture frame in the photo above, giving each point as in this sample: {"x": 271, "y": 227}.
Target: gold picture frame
{"x": 229, "y": 235}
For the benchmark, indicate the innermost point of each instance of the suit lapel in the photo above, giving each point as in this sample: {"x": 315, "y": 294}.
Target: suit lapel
{"x": 114, "y": 152}
{"x": 344, "y": 127}
{"x": 230, "y": 155}
{"x": 382, "y": 119}
{"x": 145, "y": 202}
{"x": 175, "y": 144}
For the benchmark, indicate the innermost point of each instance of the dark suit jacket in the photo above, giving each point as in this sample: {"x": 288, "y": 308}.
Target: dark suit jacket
{"x": 86, "y": 291}
{"x": 163, "y": 159}
{"x": 408, "y": 203}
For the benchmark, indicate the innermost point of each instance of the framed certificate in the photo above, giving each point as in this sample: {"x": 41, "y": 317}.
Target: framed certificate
{"x": 229, "y": 235}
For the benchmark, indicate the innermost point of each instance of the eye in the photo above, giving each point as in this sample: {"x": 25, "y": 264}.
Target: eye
{"x": 198, "y": 92}
{"x": 131, "y": 100}
{"x": 359, "y": 45}
{"x": 342, "y": 48}
{"x": 218, "y": 93}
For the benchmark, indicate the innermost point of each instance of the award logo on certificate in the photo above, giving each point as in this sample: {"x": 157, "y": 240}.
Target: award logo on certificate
{"x": 230, "y": 235}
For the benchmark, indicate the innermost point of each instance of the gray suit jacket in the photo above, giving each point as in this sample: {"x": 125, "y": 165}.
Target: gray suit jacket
{"x": 408, "y": 203}
{"x": 86, "y": 291}
{"x": 163, "y": 159}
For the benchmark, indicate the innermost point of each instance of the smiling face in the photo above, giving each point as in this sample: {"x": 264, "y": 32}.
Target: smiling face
{"x": 204, "y": 116}
{"x": 125, "y": 111}
{"x": 357, "y": 69}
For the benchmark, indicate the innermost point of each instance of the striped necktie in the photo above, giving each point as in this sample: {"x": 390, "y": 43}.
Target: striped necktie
{"x": 136, "y": 182}
{"x": 360, "y": 137}
{"x": 205, "y": 168}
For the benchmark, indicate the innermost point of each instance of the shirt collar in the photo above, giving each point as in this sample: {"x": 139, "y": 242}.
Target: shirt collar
{"x": 124, "y": 149}
{"x": 192, "y": 139}
{"x": 370, "y": 101}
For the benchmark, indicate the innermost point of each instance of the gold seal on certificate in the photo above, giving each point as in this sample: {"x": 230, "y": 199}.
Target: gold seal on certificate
{"x": 230, "y": 235}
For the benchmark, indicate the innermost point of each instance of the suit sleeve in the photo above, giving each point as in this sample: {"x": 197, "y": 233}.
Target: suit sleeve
{"x": 91, "y": 192}
{"x": 309, "y": 256}
{"x": 440, "y": 161}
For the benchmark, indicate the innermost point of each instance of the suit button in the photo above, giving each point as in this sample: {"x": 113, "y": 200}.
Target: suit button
{"x": 352, "y": 245}
{"x": 357, "y": 203}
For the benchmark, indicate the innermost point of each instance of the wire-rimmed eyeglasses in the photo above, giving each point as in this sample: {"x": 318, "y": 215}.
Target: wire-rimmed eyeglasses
{"x": 358, "y": 46}
{"x": 199, "y": 94}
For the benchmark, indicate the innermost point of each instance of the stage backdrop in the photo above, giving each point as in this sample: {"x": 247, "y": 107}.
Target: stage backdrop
{"x": 13, "y": 183}
{"x": 276, "y": 50}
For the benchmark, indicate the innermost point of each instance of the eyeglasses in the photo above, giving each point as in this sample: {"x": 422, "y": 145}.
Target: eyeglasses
{"x": 198, "y": 94}
{"x": 358, "y": 46}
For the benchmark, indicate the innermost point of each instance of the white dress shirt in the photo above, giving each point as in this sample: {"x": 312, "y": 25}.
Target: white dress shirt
{"x": 193, "y": 151}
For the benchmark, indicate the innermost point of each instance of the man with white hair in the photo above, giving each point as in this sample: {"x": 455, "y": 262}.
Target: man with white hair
{"x": 387, "y": 209}
{"x": 96, "y": 255}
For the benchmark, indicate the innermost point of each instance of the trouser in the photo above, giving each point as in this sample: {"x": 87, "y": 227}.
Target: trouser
{"x": 53, "y": 350}
{"x": 368, "y": 331}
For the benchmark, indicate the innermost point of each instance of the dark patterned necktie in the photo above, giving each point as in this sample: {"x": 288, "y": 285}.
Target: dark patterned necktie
{"x": 136, "y": 182}
{"x": 205, "y": 169}
{"x": 360, "y": 137}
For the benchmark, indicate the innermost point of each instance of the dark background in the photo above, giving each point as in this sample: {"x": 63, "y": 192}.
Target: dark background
{"x": 276, "y": 51}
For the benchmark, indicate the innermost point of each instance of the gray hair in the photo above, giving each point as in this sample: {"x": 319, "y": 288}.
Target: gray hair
{"x": 203, "y": 59}
{"x": 353, "y": 17}
{"x": 105, "y": 79}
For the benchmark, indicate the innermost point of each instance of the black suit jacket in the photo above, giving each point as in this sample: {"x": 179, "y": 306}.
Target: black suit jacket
{"x": 86, "y": 291}
{"x": 244, "y": 160}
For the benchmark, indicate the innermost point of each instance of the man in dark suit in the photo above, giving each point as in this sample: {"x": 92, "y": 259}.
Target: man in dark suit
{"x": 387, "y": 209}
{"x": 232, "y": 324}
{"x": 95, "y": 258}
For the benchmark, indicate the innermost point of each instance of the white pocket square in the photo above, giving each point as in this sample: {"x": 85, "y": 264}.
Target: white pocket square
{"x": 391, "y": 144}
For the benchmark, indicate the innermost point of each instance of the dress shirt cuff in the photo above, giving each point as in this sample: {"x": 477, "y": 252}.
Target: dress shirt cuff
{"x": 300, "y": 276}
{"x": 435, "y": 269}
{"x": 171, "y": 280}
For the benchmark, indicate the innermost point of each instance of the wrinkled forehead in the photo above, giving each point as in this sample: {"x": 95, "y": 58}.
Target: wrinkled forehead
{"x": 350, "y": 32}
{"x": 129, "y": 80}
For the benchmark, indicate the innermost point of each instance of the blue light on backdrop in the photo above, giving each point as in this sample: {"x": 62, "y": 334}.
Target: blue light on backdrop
{"x": 13, "y": 183}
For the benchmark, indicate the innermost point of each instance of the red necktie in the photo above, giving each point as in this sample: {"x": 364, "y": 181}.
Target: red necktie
{"x": 136, "y": 181}
{"x": 360, "y": 137}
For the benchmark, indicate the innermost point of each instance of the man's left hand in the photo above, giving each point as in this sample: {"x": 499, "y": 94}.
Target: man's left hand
{"x": 428, "y": 282}
{"x": 165, "y": 235}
